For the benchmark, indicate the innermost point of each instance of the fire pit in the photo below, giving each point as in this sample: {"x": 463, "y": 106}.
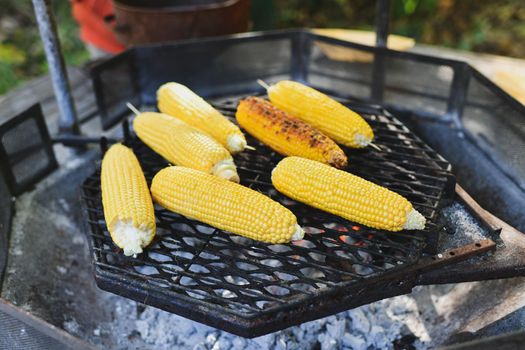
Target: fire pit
{"x": 206, "y": 281}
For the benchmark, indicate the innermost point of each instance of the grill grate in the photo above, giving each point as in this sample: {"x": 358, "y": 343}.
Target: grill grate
{"x": 196, "y": 270}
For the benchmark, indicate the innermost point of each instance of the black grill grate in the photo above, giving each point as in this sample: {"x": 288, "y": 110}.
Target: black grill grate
{"x": 198, "y": 271}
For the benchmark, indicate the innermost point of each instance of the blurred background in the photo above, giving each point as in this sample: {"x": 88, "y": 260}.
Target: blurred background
{"x": 496, "y": 27}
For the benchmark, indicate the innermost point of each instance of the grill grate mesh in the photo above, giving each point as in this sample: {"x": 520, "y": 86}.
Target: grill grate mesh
{"x": 238, "y": 277}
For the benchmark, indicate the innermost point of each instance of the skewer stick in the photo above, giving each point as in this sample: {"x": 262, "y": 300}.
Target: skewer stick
{"x": 132, "y": 108}
{"x": 374, "y": 146}
{"x": 250, "y": 148}
{"x": 263, "y": 84}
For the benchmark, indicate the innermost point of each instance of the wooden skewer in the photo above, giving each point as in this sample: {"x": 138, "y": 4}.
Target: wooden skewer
{"x": 132, "y": 108}
{"x": 374, "y": 146}
{"x": 250, "y": 148}
{"x": 263, "y": 84}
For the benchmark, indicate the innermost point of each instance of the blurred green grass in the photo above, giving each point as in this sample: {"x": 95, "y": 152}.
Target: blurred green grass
{"x": 496, "y": 27}
{"x": 21, "y": 53}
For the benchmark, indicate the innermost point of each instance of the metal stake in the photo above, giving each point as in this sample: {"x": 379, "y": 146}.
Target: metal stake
{"x": 378, "y": 72}
{"x": 382, "y": 22}
{"x": 68, "y": 123}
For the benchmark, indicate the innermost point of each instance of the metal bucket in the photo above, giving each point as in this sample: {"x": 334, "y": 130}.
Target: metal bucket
{"x": 141, "y": 21}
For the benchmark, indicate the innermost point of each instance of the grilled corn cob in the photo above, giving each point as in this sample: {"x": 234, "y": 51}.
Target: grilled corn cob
{"x": 325, "y": 114}
{"x": 179, "y": 101}
{"x": 225, "y": 205}
{"x": 182, "y": 144}
{"x": 344, "y": 194}
{"x": 128, "y": 208}
{"x": 286, "y": 134}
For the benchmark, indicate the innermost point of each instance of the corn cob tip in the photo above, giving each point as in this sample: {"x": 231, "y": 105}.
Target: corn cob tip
{"x": 414, "y": 221}
{"x": 298, "y": 234}
{"x": 227, "y": 170}
{"x": 131, "y": 238}
{"x": 362, "y": 140}
{"x": 236, "y": 143}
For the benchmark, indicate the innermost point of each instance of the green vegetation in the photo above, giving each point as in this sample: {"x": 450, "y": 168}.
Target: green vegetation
{"x": 21, "y": 52}
{"x": 496, "y": 26}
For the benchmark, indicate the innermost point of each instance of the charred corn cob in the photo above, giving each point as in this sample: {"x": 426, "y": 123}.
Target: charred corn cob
{"x": 128, "y": 208}
{"x": 345, "y": 195}
{"x": 225, "y": 205}
{"x": 325, "y": 114}
{"x": 182, "y": 144}
{"x": 179, "y": 101}
{"x": 286, "y": 134}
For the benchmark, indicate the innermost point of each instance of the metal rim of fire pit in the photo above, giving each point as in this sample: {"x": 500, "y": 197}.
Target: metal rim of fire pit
{"x": 246, "y": 287}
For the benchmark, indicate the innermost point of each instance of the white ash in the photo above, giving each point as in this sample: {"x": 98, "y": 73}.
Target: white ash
{"x": 62, "y": 270}
{"x": 72, "y": 326}
{"x": 374, "y": 326}
{"x": 466, "y": 229}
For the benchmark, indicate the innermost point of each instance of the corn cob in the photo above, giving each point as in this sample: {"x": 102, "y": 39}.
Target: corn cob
{"x": 177, "y": 100}
{"x": 286, "y": 134}
{"x": 182, "y": 144}
{"x": 336, "y": 121}
{"x": 128, "y": 208}
{"x": 345, "y": 195}
{"x": 225, "y": 205}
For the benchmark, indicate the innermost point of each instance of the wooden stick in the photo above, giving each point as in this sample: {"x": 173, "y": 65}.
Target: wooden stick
{"x": 263, "y": 84}
{"x": 250, "y": 148}
{"x": 374, "y": 146}
{"x": 132, "y": 108}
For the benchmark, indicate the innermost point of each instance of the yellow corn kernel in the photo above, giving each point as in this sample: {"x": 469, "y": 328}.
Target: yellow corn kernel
{"x": 286, "y": 134}
{"x": 179, "y": 101}
{"x": 128, "y": 208}
{"x": 182, "y": 144}
{"x": 345, "y": 195}
{"x": 336, "y": 121}
{"x": 225, "y": 205}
